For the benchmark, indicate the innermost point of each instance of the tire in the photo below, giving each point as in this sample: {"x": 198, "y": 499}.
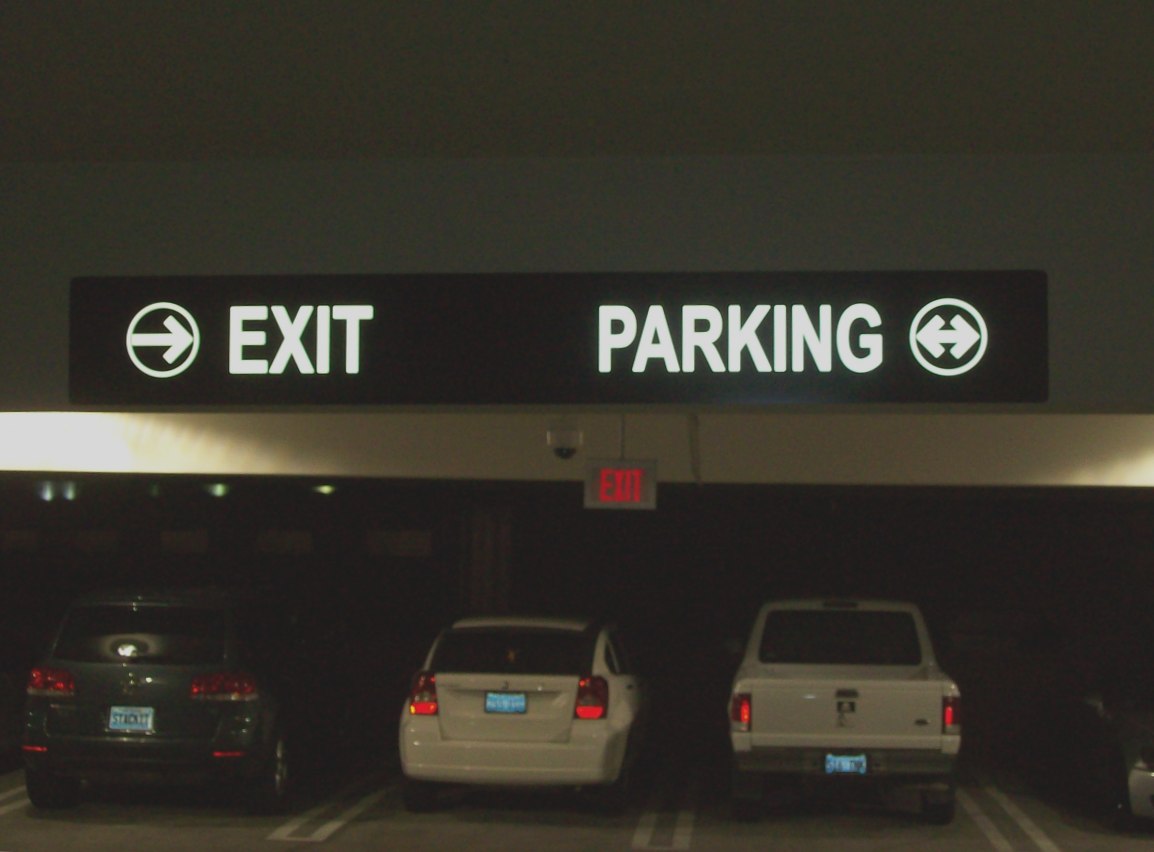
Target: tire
{"x": 745, "y": 810}
{"x": 49, "y": 791}
{"x": 268, "y": 793}
{"x": 613, "y": 799}
{"x": 939, "y": 810}
{"x": 419, "y": 796}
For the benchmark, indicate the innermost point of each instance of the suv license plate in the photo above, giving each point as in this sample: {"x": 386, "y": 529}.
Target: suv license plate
{"x": 134, "y": 719}
{"x": 505, "y": 702}
{"x": 845, "y": 764}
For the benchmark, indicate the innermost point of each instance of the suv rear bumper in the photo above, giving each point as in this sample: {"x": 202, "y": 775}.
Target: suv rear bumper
{"x": 151, "y": 761}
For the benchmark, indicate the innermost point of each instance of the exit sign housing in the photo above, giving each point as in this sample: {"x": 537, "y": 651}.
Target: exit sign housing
{"x": 621, "y": 484}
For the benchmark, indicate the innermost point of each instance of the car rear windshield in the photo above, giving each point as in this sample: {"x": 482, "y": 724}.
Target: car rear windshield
{"x": 175, "y": 635}
{"x": 841, "y": 637}
{"x": 513, "y": 651}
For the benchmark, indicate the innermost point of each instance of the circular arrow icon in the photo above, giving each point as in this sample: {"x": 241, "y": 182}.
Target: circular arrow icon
{"x": 163, "y": 333}
{"x": 948, "y": 337}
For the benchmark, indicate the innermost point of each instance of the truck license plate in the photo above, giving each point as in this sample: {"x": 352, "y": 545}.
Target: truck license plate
{"x": 845, "y": 764}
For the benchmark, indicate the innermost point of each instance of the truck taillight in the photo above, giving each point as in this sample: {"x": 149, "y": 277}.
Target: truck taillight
{"x": 423, "y": 695}
{"x": 224, "y": 686}
{"x": 951, "y": 714}
{"x": 592, "y": 698}
{"x": 741, "y": 711}
{"x": 54, "y": 683}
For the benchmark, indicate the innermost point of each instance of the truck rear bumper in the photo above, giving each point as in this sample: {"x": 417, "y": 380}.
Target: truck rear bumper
{"x": 894, "y": 764}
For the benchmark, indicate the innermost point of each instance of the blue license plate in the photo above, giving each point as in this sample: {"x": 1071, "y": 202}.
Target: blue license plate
{"x": 134, "y": 719}
{"x": 505, "y": 702}
{"x": 846, "y": 764}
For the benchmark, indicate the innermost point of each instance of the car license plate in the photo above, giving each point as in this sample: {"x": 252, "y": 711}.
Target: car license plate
{"x": 845, "y": 764}
{"x": 135, "y": 719}
{"x": 505, "y": 702}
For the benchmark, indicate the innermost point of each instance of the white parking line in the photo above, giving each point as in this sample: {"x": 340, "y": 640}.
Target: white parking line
{"x": 996, "y": 838}
{"x": 682, "y": 827}
{"x": 14, "y": 806}
{"x": 1028, "y": 825}
{"x": 331, "y": 827}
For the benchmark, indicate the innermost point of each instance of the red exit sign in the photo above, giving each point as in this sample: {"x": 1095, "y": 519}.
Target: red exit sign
{"x": 621, "y": 484}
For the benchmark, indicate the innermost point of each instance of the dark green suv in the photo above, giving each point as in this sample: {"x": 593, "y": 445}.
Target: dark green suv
{"x": 157, "y": 688}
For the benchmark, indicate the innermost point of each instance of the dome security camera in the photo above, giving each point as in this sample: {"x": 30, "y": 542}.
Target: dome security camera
{"x": 564, "y": 442}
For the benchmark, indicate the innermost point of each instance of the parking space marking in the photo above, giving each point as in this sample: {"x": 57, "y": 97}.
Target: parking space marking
{"x": 1019, "y": 816}
{"x": 983, "y": 822}
{"x": 287, "y": 832}
{"x": 682, "y": 826}
{"x": 20, "y": 792}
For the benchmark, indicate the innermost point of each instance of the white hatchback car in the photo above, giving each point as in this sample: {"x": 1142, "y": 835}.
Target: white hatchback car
{"x": 520, "y": 701}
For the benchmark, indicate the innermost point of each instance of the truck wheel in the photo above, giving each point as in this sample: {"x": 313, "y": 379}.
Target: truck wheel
{"x": 939, "y": 810}
{"x": 745, "y": 810}
{"x": 47, "y": 790}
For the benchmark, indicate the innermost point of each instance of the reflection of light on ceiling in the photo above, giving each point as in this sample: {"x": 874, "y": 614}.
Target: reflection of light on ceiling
{"x": 217, "y": 489}
{"x": 881, "y": 448}
{"x": 325, "y": 490}
{"x": 136, "y": 443}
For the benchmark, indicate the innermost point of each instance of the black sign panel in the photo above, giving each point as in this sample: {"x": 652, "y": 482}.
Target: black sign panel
{"x": 744, "y": 339}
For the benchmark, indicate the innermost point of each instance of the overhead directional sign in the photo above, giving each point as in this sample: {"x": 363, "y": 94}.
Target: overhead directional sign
{"x": 685, "y": 339}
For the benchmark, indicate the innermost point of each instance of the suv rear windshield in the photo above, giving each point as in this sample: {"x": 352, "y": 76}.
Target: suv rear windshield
{"x": 513, "y": 651}
{"x": 173, "y": 635}
{"x": 840, "y": 637}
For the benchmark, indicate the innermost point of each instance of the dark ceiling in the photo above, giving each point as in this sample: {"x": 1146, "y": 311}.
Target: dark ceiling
{"x": 349, "y": 79}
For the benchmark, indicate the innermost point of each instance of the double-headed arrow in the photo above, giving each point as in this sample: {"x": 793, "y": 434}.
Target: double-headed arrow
{"x": 960, "y": 337}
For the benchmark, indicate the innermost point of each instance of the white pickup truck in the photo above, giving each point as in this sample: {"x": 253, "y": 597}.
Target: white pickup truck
{"x": 844, "y": 691}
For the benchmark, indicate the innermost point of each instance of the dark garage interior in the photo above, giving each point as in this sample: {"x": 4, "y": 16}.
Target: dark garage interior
{"x": 1029, "y": 591}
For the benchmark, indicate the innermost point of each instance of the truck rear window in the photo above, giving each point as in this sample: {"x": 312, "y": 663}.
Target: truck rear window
{"x": 518, "y": 651}
{"x": 840, "y": 637}
{"x": 152, "y": 634}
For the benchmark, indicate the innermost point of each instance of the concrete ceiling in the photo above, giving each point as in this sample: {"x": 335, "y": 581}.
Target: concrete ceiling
{"x": 350, "y": 79}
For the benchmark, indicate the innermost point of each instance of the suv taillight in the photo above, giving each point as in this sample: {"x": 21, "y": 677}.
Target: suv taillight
{"x": 423, "y": 695}
{"x": 54, "y": 683}
{"x": 224, "y": 686}
{"x": 741, "y": 711}
{"x": 951, "y": 714}
{"x": 592, "y": 698}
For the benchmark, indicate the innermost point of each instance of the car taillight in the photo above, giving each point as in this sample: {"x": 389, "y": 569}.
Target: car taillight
{"x": 423, "y": 695}
{"x": 951, "y": 714}
{"x": 741, "y": 711}
{"x": 592, "y": 698}
{"x": 55, "y": 683}
{"x": 224, "y": 686}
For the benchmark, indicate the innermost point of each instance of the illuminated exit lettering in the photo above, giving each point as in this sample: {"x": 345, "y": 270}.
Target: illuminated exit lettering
{"x": 305, "y": 338}
{"x": 769, "y": 338}
{"x": 621, "y": 485}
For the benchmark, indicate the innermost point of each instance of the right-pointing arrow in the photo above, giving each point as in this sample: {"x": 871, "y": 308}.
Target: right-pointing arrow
{"x": 177, "y": 339}
{"x": 961, "y": 337}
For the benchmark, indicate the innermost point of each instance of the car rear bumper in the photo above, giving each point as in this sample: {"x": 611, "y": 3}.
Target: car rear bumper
{"x": 593, "y": 754}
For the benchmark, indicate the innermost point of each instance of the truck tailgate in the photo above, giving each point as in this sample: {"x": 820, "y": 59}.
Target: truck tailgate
{"x": 852, "y": 712}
